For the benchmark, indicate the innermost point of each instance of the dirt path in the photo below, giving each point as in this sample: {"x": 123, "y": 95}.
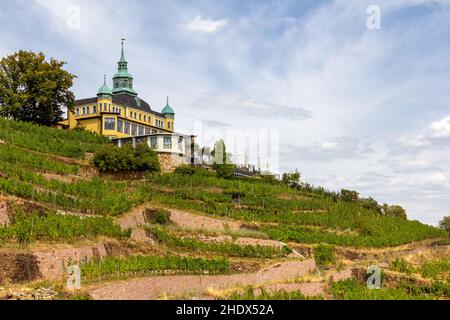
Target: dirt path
{"x": 136, "y": 219}
{"x": 152, "y": 287}
{"x": 194, "y": 221}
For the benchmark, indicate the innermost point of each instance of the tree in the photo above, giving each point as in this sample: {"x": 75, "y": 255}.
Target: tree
{"x": 221, "y": 162}
{"x": 292, "y": 179}
{"x": 371, "y": 204}
{"x": 394, "y": 211}
{"x": 349, "y": 195}
{"x": 33, "y": 89}
{"x": 444, "y": 224}
{"x": 219, "y": 152}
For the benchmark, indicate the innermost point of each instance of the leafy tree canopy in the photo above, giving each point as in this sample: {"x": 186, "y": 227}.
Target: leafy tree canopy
{"x": 445, "y": 224}
{"x": 33, "y": 89}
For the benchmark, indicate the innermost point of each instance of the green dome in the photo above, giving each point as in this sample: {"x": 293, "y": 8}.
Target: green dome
{"x": 168, "y": 109}
{"x": 104, "y": 89}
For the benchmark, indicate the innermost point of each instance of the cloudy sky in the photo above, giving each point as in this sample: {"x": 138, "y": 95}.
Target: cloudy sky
{"x": 353, "y": 107}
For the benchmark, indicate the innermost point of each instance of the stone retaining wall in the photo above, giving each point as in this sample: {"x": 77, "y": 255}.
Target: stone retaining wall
{"x": 169, "y": 161}
{"x": 4, "y": 213}
{"x": 17, "y": 267}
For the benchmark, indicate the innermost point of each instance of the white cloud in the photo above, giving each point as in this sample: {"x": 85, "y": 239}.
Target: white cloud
{"x": 236, "y": 102}
{"x": 441, "y": 129}
{"x": 206, "y": 25}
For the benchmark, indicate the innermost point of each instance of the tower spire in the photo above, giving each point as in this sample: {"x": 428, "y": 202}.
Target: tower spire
{"x": 122, "y": 57}
{"x": 123, "y": 80}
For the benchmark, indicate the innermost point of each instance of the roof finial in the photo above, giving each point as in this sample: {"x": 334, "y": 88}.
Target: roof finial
{"x": 167, "y": 100}
{"x": 122, "y": 58}
{"x": 104, "y": 80}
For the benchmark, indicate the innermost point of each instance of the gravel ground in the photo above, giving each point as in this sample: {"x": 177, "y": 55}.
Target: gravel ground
{"x": 152, "y": 287}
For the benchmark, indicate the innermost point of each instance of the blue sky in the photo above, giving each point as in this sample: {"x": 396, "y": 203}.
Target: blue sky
{"x": 355, "y": 108}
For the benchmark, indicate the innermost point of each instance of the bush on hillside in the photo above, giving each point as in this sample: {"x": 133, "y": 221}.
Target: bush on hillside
{"x": 324, "y": 255}
{"x": 110, "y": 158}
{"x": 188, "y": 170}
{"x": 394, "y": 211}
{"x": 160, "y": 216}
{"x": 349, "y": 195}
{"x": 370, "y": 204}
{"x": 224, "y": 171}
{"x": 444, "y": 224}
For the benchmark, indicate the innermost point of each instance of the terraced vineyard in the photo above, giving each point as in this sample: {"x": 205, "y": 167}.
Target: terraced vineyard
{"x": 226, "y": 239}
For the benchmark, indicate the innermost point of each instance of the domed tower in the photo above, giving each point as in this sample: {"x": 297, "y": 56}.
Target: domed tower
{"x": 123, "y": 80}
{"x": 169, "y": 114}
{"x": 104, "y": 97}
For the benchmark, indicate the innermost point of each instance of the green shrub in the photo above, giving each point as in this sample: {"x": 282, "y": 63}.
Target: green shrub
{"x": 324, "y": 255}
{"x": 226, "y": 248}
{"x": 401, "y": 265}
{"x": 265, "y": 295}
{"x": 110, "y": 158}
{"x": 67, "y": 143}
{"x": 224, "y": 171}
{"x": 111, "y": 266}
{"x": 160, "y": 216}
{"x": 185, "y": 170}
{"x": 50, "y": 226}
{"x": 444, "y": 224}
{"x": 353, "y": 290}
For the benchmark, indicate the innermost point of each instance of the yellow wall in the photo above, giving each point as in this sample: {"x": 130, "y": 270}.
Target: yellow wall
{"x": 91, "y": 125}
{"x": 126, "y": 114}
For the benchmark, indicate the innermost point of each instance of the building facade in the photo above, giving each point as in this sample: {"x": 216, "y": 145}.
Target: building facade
{"x": 119, "y": 112}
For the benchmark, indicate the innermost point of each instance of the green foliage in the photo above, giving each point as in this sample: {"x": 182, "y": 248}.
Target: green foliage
{"x": 11, "y": 156}
{"x": 437, "y": 270}
{"x": 185, "y": 170}
{"x": 373, "y": 232}
{"x": 324, "y": 255}
{"x": 67, "y": 143}
{"x": 110, "y": 158}
{"x": 394, "y": 211}
{"x": 370, "y": 204}
{"x": 33, "y": 89}
{"x": 250, "y": 295}
{"x": 188, "y": 170}
{"x": 50, "y": 226}
{"x": 111, "y": 266}
{"x": 353, "y": 290}
{"x": 224, "y": 171}
{"x": 305, "y": 215}
{"x": 161, "y": 217}
{"x": 291, "y": 179}
{"x": 219, "y": 153}
{"x": 401, "y": 265}
{"x": 349, "y": 196}
{"x": 226, "y": 248}
{"x": 444, "y": 224}
{"x": 96, "y": 196}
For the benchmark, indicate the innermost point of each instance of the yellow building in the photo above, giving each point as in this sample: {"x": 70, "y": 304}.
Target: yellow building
{"x": 120, "y": 113}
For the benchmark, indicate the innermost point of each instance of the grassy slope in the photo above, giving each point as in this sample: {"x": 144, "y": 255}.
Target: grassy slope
{"x": 30, "y": 154}
{"x": 299, "y": 215}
